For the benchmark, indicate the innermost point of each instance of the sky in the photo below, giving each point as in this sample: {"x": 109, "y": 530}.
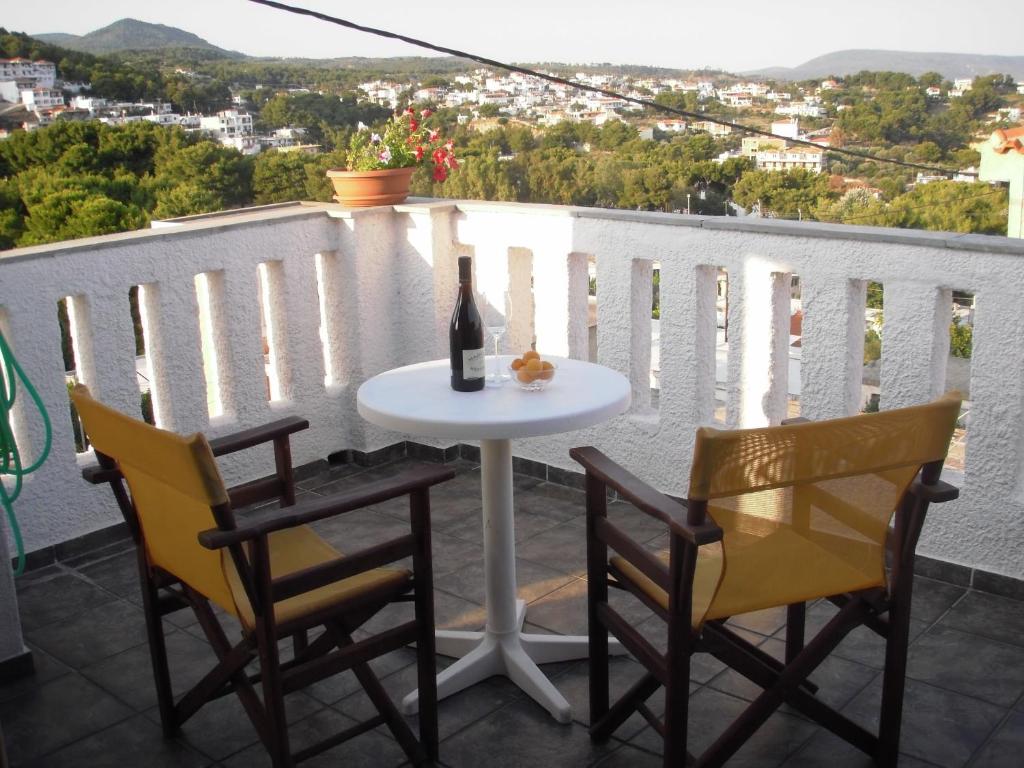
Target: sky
{"x": 735, "y": 36}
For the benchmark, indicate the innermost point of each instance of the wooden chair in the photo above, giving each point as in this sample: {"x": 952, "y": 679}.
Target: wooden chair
{"x": 270, "y": 571}
{"x": 774, "y": 517}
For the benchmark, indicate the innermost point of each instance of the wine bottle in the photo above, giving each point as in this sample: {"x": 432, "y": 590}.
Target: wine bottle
{"x": 466, "y": 335}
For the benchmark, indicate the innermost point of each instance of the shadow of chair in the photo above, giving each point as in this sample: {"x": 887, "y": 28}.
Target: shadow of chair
{"x": 268, "y": 570}
{"x": 778, "y": 516}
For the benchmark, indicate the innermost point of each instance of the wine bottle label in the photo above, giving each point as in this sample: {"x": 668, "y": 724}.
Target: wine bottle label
{"x": 473, "y": 363}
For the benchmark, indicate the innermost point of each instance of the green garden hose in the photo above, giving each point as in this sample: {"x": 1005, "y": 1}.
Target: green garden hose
{"x": 10, "y": 458}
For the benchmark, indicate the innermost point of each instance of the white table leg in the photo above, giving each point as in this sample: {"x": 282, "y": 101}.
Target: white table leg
{"x": 502, "y": 648}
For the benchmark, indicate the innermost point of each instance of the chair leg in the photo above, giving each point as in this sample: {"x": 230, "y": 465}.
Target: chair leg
{"x": 597, "y": 594}
{"x": 894, "y": 679}
{"x": 677, "y": 691}
{"x": 157, "y": 648}
{"x": 273, "y": 698}
{"x": 796, "y": 615}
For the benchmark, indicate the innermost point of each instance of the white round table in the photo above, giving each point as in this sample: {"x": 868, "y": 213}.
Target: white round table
{"x": 418, "y": 400}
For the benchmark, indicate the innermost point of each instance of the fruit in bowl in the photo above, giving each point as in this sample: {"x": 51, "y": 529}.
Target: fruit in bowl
{"x": 532, "y": 373}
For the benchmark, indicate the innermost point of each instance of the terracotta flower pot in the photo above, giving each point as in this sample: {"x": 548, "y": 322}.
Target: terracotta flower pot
{"x": 362, "y": 189}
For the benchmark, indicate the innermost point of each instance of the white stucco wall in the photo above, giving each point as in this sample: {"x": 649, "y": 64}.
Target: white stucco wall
{"x": 353, "y": 293}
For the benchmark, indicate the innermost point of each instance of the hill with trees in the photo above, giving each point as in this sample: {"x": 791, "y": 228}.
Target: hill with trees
{"x": 133, "y": 35}
{"x": 950, "y": 65}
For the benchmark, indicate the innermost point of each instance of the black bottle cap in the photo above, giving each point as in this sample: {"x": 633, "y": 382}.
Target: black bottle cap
{"x": 465, "y": 269}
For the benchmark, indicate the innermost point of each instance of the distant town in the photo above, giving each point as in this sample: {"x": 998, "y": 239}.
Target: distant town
{"x": 35, "y": 88}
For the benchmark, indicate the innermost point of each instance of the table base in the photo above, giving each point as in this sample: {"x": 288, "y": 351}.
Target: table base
{"x": 514, "y": 655}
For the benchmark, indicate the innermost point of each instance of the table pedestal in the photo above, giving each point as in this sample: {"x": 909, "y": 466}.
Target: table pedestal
{"x": 503, "y": 648}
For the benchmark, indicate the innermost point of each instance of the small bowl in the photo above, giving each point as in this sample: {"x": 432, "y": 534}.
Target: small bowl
{"x": 534, "y": 382}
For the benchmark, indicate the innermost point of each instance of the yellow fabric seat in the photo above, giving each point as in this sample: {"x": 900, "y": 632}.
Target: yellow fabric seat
{"x": 293, "y": 550}
{"x": 788, "y": 567}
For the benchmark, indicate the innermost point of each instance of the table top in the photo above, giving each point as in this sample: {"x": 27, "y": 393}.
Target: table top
{"x": 418, "y": 400}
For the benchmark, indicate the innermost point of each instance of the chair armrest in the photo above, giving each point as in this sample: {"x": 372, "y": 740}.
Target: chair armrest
{"x": 98, "y": 475}
{"x": 644, "y": 497}
{"x": 310, "y": 511}
{"x": 247, "y": 438}
{"x": 934, "y": 494}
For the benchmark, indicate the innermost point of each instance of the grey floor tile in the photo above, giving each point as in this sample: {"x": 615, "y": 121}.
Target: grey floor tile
{"x": 129, "y": 674}
{"x": 471, "y": 527}
{"x": 88, "y": 637}
{"x": 862, "y": 645}
{"x": 711, "y": 712}
{"x": 838, "y": 680}
{"x": 1006, "y": 747}
{"x": 534, "y": 581}
{"x": 553, "y": 501}
{"x": 454, "y": 712}
{"x": 221, "y": 728}
{"x": 134, "y": 742}
{"x": 933, "y": 598}
{"x": 118, "y": 574}
{"x": 46, "y": 669}
{"x": 969, "y": 664}
{"x": 623, "y": 672}
{"x": 521, "y": 734}
{"x": 563, "y": 547}
{"x": 629, "y": 757}
{"x": 44, "y": 601}
{"x": 765, "y": 622}
{"x": 451, "y": 553}
{"x": 371, "y": 749}
{"x": 335, "y": 688}
{"x": 939, "y": 726}
{"x": 999, "y": 618}
{"x": 56, "y": 714}
{"x": 825, "y": 749}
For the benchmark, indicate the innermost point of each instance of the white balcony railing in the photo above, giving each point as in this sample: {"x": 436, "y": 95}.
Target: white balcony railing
{"x": 343, "y": 295}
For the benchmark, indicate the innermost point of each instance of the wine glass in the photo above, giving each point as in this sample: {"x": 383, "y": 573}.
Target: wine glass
{"x": 495, "y": 313}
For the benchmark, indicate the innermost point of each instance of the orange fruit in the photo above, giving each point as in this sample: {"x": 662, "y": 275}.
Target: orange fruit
{"x": 531, "y": 355}
{"x": 547, "y": 372}
{"x": 547, "y": 366}
{"x": 517, "y": 364}
{"x": 533, "y": 365}
{"x": 524, "y": 375}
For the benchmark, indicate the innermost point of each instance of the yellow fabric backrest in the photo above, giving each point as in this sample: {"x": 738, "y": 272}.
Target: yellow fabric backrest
{"x": 174, "y": 481}
{"x": 819, "y": 493}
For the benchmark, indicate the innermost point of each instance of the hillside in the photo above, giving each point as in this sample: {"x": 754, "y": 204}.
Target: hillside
{"x": 133, "y": 35}
{"x": 950, "y": 65}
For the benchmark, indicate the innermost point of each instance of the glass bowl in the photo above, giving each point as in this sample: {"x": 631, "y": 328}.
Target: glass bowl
{"x": 533, "y": 381}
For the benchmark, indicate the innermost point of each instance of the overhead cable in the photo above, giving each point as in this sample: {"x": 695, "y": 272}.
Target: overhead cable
{"x": 603, "y": 91}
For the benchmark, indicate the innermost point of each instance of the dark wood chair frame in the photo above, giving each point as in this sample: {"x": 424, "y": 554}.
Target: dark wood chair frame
{"x": 333, "y": 651}
{"x": 689, "y": 526}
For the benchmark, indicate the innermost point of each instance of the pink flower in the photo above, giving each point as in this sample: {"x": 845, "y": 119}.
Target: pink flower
{"x": 449, "y": 145}
{"x": 385, "y": 155}
{"x": 433, "y": 136}
{"x": 426, "y": 113}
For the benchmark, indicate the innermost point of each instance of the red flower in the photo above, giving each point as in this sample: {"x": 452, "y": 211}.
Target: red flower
{"x": 451, "y": 162}
{"x": 434, "y": 135}
{"x": 419, "y": 151}
{"x": 413, "y": 125}
{"x": 438, "y": 156}
{"x": 410, "y": 111}
{"x": 450, "y": 145}
{"x": 426, "y": 113}
{"x": 440, "y": 173}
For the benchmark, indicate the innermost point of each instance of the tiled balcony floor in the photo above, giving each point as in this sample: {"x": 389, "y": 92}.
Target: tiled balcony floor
{"x": 91, "y": 701}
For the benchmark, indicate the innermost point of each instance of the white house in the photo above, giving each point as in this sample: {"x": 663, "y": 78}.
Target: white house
{"x": 43, "y": 73}
{"x": 228, "y": 123}
{"x": 789, "y": 159}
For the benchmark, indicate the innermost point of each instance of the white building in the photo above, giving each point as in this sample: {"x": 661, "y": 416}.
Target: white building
{"x": 715, "y": 129}
{"x": 43, "y": 73}
{"x": 790, "y": 129}
{"x": 227, "y": 124}
{"x": 789, "y": 159}
{"x": 800, "y": 109}
{"x": 42, "y": 99}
